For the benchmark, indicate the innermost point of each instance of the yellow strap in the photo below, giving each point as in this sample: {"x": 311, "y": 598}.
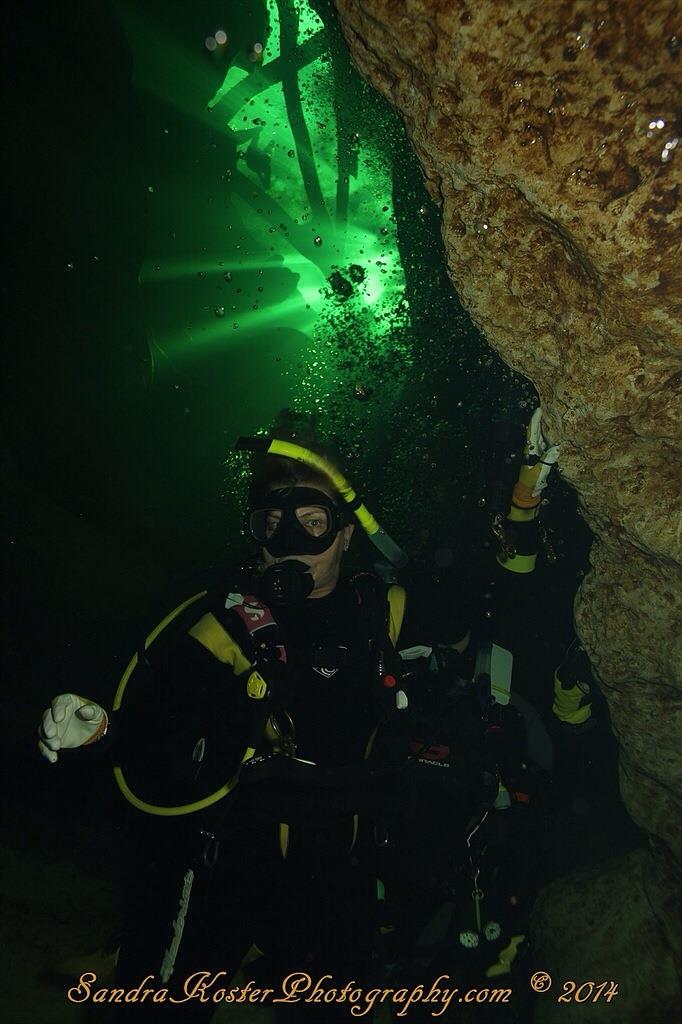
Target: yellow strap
{"x": 519, "y": 563}
{"x": 566, "y": 706}
{"x": 506, "y": 957}
{"x": 396, "y": 603}
{"x": 283, "y": 838}
{"x": 219, "y": 643}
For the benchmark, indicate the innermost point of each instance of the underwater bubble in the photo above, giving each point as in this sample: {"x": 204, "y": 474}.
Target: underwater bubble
{"x": 340, "y": 286}
{"x": 362, "y": 392}
{"x": 235, "y": 326}
{"x": 219, "y": 311}
{"x": 481, "y": 502}
{"x": 668, "y": 149}
{"x": 69, "y": 266}
{"x": 290, "y": 152}
{"x": 200, "y": 273}
{"x": 227, "y": 276}
{"x": 317, "y": 240}
{"x": 150, "y": 188}
{"x": 221, "y": 37}
{"x": 210, "y": 43}
{"x": 488, "y": 614}
{"x": 257, "y": 47}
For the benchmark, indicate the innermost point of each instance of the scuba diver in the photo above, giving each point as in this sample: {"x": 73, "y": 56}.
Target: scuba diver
{"x": 517, "y": 524}
{"x": 258, "y": 729}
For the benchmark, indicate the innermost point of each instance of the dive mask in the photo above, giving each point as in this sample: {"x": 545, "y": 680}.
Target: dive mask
{"x": 295, "y": 521}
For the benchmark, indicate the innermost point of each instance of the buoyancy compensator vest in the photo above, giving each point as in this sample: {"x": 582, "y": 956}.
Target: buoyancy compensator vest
{"x": 207, "y": 697}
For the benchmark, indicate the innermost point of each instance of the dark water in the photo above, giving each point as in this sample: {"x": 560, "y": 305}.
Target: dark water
{"x": 177, "y": 277}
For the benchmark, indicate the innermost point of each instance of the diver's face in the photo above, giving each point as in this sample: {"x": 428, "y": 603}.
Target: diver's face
{"x": 326, "y": 566}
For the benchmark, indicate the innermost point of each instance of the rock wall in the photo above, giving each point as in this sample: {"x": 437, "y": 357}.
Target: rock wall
{"x": 547, "y": 133}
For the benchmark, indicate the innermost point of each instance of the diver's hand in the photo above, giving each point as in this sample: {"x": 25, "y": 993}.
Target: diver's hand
{"x": 546, "y": 454}
{"x": 70, "y": 722}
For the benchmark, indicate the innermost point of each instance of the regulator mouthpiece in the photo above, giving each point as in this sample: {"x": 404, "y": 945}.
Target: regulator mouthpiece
{"x": 286, "y": 583}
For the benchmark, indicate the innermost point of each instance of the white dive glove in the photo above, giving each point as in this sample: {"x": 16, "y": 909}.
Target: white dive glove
{"x": 69, "y": 722}
{"x": 547, "y": 454}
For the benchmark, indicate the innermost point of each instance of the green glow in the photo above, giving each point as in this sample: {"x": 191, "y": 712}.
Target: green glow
{"x": 233, "y": 79}
{"x": 337, "y": 241}
{"x": 309, "y": 21}
{"x": 272, "y": 49}
{"x": 255, "y": 205}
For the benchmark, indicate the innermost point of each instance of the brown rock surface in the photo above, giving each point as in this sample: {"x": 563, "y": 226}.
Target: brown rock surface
{"x": 547, "y": 133}
{"x": 609, "y": 907}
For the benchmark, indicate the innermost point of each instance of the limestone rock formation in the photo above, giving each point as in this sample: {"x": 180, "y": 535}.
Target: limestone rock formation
{"x": 547, "y": 134}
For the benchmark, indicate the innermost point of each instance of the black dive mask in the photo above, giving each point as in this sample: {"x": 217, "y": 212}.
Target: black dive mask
{"x": 295, "y": 521}
{"x": 285, "y": 583}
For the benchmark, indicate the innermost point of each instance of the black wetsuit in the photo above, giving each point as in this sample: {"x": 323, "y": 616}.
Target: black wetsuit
{"x": 311, "y": 911}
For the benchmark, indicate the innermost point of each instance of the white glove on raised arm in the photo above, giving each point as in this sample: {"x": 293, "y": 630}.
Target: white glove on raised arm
{"x": 539, "y": 446}
{"x": 69, "y": 722}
